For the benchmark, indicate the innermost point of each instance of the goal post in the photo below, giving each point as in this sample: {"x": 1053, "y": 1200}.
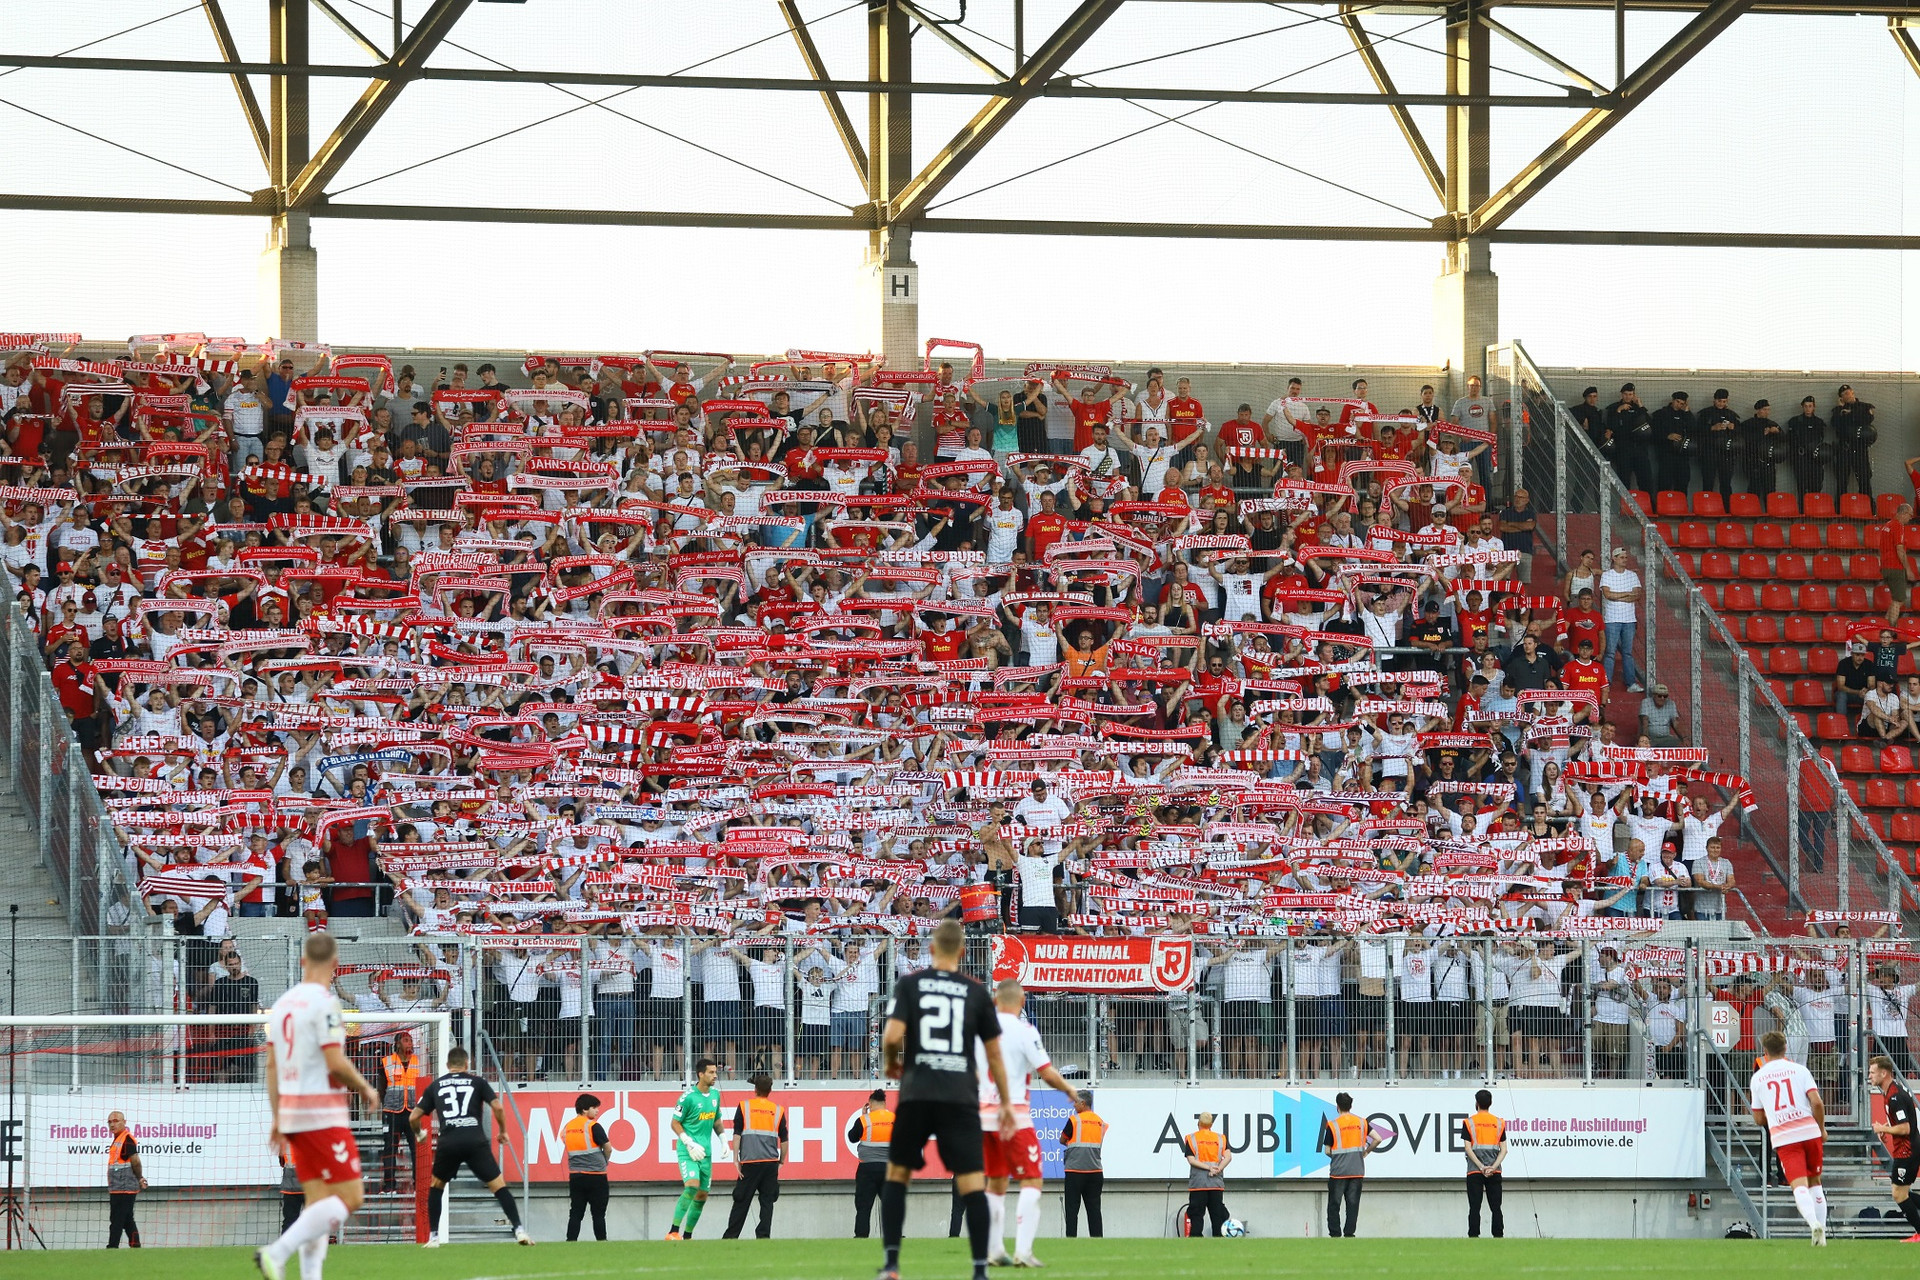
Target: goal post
{"x": 192, "y": 1090}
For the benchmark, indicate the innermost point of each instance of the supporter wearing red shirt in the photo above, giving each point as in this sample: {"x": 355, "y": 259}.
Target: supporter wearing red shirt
{"x": 350, "y": 863}
{"x": 1087, "y": 414}
{"x": 1183, "y": 409}
{"x": 1044, "y": 528}
{"x": 944, "y": 646}
{"x": 1242, "y": 432}
{"x": 1584, "y": 672}
{"x": 1583, "y": 622}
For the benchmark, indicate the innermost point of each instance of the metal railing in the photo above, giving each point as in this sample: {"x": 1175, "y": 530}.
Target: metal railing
{"x": 1815, "y": 839}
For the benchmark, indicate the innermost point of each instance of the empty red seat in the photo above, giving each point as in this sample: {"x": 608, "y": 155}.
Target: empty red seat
{"x": 1913, "y": 793}
{"x": 1835, "y": 629}
{"x": 1823, "y": 660}
{"x": 1761, "y": 629}
{"x": 1785, "y": 662}
{"x": 1804, "y": 536}
{"x": 1813, "y": 693}
{"x": 1730, "y": 534}
{"x": 1881, "y": 793}
{"x": 1885, "y": 504}
{"x": 1828, "y": 567}
{"x": 1642, "y": 500}
{"x": 1815, "y": 597}
{"x": 1694, "y": 534}
{"x": 1842, "y": 536}
{"x": 1754, "y": 567}
{"x": 1912, "y": 538}
{"x": 1716, "y": 564}
{"x": 1775, "y": 597}
{"x": 1863, "y": 566}
{"x": 1745, "y": 506}
{"x": 1783, "y": 505}
{"x": 1904, "y": 826}
{"x": 1856, "y": 758}
{"x": 1856, "y": 506}
{"x": 1799, "y": 630}
{"x": 1668, "y": 502}
{"x": 1790, "y": 566}
{"x": 1768, "y": 536}
{"x": 1853, "y": 598}
{"x": 1710, "y": 592}
{"x": 1904, "y": 665}
{"x": 1882, "y": 600}
{"x": 1832, "y": 725}
{"x": 1709, "y": 505}
{"x": 1817, "y": 506}
{"x": 1896, "y": 760}
{"x": 1739, "y": 598}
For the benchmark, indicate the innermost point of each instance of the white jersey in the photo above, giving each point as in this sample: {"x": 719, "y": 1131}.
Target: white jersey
{"x": 1783, "y": 1089}
{"x": 303, "y": 1023}
{"x": 1022, "y": 1054}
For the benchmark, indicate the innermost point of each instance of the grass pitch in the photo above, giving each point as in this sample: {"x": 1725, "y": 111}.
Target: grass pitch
{"x": 1113, "y": 1259}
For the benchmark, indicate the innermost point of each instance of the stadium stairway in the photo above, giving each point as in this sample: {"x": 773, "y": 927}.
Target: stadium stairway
{"x": 25, "y": 880}
{"x": 1855, "y": 1178}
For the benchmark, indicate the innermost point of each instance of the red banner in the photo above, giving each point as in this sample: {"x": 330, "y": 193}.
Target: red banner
{"x": 639, "y": 1127}
{"x": 1118, "y": 966}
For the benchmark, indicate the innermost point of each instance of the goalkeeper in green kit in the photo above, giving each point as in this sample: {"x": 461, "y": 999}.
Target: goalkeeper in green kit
{"x": 694, "y": 1121}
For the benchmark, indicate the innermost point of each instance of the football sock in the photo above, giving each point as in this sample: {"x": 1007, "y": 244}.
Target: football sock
{"x": 978, "y": 1220}
{"x": 315, "y": 1222}
{"x": 436, "y": 1198}
{"x": 893, "y": 1219}
{"x": 996, "y": 1220}
{"x": 1803, "y": 1201}
{"x": 1910, "y": 1210}
{"x": 313, "y": 1257}
{"x": 680, "y": 1209}
{"x": 1027, "y": 1221}
{"x": 507, "y": 1205}
{"x": 1820, "y": 1202}
{"x": 694, "y": 1211}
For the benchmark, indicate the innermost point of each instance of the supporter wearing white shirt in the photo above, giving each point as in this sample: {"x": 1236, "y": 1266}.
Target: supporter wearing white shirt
{"x": 1003, "y": 522}
{"x": 1620, "y": 612}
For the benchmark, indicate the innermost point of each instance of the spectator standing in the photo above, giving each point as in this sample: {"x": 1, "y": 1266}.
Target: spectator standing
{"x": 1475, "y": 409}
{"x": 1660, "y": 718}
{"x": 1517, "y": 524}
{"x": 1896, "y": 561}
{"x": 1620, "y": 592}
{"x": 1282, "y": 420}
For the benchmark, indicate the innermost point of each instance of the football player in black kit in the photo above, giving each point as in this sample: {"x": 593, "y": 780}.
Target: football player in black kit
{"x": 1897, "y": 1134}
{"x": 456, "y": 1098}
{"x": 936, "y": 1017}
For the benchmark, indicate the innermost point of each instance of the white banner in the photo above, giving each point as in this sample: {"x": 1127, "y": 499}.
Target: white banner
{"x": 206, "y": 1136}
{"x": 1551, "y": 1132}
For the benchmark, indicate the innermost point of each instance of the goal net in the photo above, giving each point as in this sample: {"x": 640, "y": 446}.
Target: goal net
{"x": 192, "y": 1091}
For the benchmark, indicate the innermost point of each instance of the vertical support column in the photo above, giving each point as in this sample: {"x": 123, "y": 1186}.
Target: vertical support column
{"x": 1650, "y": 567}
{"x": 892, "y": 280}
{"x": 289, "y": 269}
{"x": 1466, "y": 296}
{"x": 1696, "y": 666}
{"x": 1562, "y": 442}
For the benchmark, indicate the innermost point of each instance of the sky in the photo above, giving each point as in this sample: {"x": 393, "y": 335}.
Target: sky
{"x": 1784, "y": 124}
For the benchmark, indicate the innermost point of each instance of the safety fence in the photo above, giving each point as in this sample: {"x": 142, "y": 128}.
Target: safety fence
{"x": 1814, "y": 838}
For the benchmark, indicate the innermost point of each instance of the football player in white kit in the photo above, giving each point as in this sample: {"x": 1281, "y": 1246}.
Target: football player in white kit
{"x": 1788, "y": 1105}
{"x": 308, "y": 1080}
{"x": 1017, "y": 1157}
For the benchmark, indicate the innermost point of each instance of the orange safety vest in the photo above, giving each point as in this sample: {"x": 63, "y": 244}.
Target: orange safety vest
{"x": 876, "y": 1130}
{"x": 120, "y": 1175}
{"x": 1483, "y": 1131}
{"x": 1346, "y": 1153}
{"x": 1205, "y": 1145}
{"x": 402, "y": 1077}
{"x": 582, "y": 1155}
{"x": 1085, "y": 1132}
{"x": 760, "y": 1140}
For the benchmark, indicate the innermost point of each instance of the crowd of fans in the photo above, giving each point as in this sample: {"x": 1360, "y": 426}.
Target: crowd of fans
{"x": 673, "y": 671}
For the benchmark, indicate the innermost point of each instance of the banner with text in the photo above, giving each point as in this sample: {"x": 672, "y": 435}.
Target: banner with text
{"x": 1117, "y": 966}
{"x": 201, "y": 1137}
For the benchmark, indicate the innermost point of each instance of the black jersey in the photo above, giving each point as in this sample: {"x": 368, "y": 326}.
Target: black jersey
{"x": 1899, "y": 1111}
{"x": 945, "y": 1013}
{"x": 459, "y": 1100}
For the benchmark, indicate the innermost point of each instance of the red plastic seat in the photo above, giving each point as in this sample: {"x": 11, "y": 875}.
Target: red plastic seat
{"x": 1912, "y": 538}
{"x": 1856, "y": 506}
{"x": 1761, "y": 629}
{"x": 1754, "y": 567}
{"x": 1832, "y": 725}
{"x": 1785, "y": 662}
{"x": 1745, "y": 506}
{"x": 1783, "y": 505}
{"x": 1739, "y": 598}
{"x": 1864, "y": 566}
{"x": 1817, "y": 506}
{"x": 1882, "y": 600}
{"x": 1804, "y": 536}
{"x": 1835, "y": 629}
{"x": 1710, "y": 592}
{"x": 1823, "y": 660}
{"x": 1881, "y": 793}
{"x": 1842, "y": 536}
{"x": 1775, "y": 597}
{"x": 1790, "y": 566}
{"x": 1896, "y": 760}
{"x": 1885, "y": 504}
{"x": 1669, "y": 531}
{"x": 1853, "y": 598}
{"x": 1716, "y": 564}
{"x": 1642, "y": 500}
{"x": 1685, "y": 560}
{"x": 1904, "y": 665}
{"x": 1730, "y": 534}
{"x": 1695, "y": 534}
{"x": 1816, "y": 598}
{"x": 1669, "y": 502}
{"x": 1708, "y": 505}
{"x": 1799, "y": 630}
{"x": 1813, "y": 693}
{"x": 1828, "y": 567}
{"x": 1768, "y": 536}
{"x": 1856, "y": 758}
{"x": 1913, "y": 793}
{"x": 1904, "y": 826}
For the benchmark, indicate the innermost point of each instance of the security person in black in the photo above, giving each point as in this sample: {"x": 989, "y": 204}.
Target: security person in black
{"x": 1589, "y": 415}
{"x": 1632, "y": 428}
{"x": 1853, "y": 428}
{"x": 456, "y": 1100}
{"x": 1719, "y": 445}
{"x": 759, "y": 1148}
{"x": 1765, "y": 444}
{"x": 935, "y": 1021}
{"x": 1674, "y": 430}
{"x": 587, "y": 1148}
{"x": 870, "y": 1132}
{"x": 1807, "y": 438}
